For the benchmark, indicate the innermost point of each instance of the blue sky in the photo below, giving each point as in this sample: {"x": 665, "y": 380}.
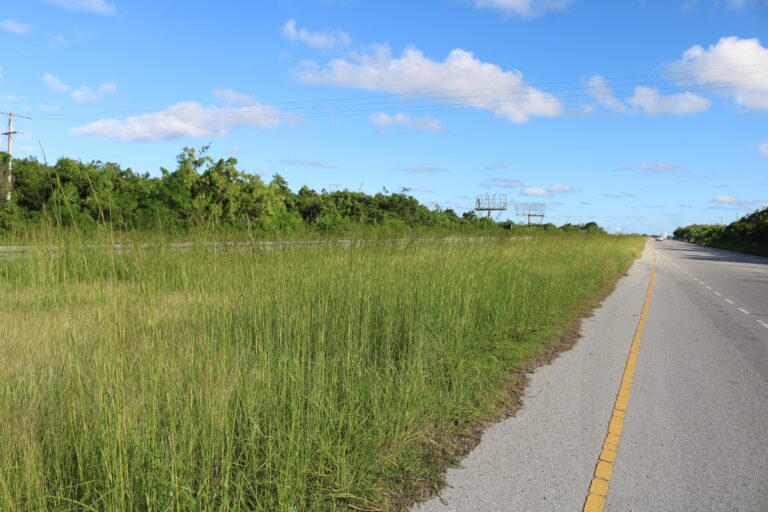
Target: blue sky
{"x": 640, "y": 115}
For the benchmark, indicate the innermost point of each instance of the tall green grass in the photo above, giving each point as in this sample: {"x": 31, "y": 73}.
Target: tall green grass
{"x": 282, "y": 378}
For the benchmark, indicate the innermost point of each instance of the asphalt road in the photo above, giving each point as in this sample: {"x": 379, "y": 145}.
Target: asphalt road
{"x": 695, "y": 434}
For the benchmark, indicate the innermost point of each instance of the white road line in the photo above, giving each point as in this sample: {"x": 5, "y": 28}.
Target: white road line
{"x": 763, "y": 323}
{"x": 709, "y": 287}
{"x": 744, "y": 311}
{"x": 718, "y": 294}
{"x": 729, "y": 301}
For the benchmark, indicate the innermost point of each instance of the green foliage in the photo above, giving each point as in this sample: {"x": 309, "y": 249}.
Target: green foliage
{"x": 747, "y": 234}
{"x": 203, "y": 193}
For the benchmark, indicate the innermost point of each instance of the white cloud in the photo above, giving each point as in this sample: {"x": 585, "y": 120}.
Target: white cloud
{"x": 598, "y": 88}
{"x": 736, "y": 67}
{"x": 535, "y": 192}
{"x": 82, "y": 94}
{"x": 558, "y": 188}
{"x": 763, "y": 149}
{"x": 231, "y": 97}
{"x": 524, "y": 8}
{"x": 425, "y": 123}
{"x": 461, "y": 79}
{"x": 187, "y": 119}
{"x": 648, "y": 100}
{"x": 320, "y": 40}
{"x": 55, "y": 84}
{"x": 308, "y": 163}
{"x": 502, "y": 183}
{"x": 96, "y": 6}
{"x": 15, "y": 27}
{"x": 419, "y": 168}
{"x": 659, "y": 168}
{"x": 732, "y": 201}
{"x": 653, "y": 103}
{"x": 85, "y": 94}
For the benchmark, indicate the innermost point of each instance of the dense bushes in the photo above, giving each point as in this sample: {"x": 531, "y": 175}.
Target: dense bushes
{"x": 748, "y": 234}
{"x": 200, "y": 191}
{"x": 203, "y": 192}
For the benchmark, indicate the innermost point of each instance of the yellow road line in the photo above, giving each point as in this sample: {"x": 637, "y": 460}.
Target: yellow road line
{"x": 598, "y": 489}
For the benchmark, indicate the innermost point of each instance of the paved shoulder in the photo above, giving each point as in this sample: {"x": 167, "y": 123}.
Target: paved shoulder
{"x": 695, "y": 436}
{"x": 544, "y": 457}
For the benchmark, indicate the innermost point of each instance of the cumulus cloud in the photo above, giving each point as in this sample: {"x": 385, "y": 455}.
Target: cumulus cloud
{"x": 425, "y": 123}
{"x": 232, "y": 97}
{"x": 15, "y": 27}
{"x": 461, "y": 79}
{"x": 559, "y": 188}
{"x": 659, "y": 168}
{"x": 763, "y": 149}
{"x": 320, "y": 40}
{"x": 736, "y": 67}
{"x": 95, "y": 6}
{"x": 731, "y": 201}
{"x": 308, "y": 163}
{"x": 186, "y": 119}
{"x": 647, "y": 99}
{"x": 653, "y": 103}
{"x": 55, "y": 84}
{"x": 523, "y": 8}
{"x": 82, "y": 94}
{"x": 598, "y": 88}
{"x": 85, "y": 94}
{"x": 535, "y": 192}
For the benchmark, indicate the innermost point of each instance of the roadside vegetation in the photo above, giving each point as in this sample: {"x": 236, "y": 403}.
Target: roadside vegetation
{"x": 207, "y": 197}
{"x": 281, "y": 377}
{"x": 206, "y": 341}
{"x": 748, "y": 234}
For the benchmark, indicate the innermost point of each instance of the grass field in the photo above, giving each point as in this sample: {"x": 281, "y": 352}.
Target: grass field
{"x": 295, "y": 378}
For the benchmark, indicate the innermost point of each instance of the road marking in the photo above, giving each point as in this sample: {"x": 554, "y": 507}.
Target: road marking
{"x": 729, "y": 301}
{"x": 598, "y": 488}
{"x": 709, "y": 287}
{"x": 744, "y": 311}
{"x": 762, "y": 323}
{"x": 718, "y": 294}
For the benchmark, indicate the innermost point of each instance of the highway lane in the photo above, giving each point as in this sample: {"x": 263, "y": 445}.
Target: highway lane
{"x": 695, "y": 433}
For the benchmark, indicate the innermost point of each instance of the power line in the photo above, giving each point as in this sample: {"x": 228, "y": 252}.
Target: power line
{"x": 425, "y": 105}
{"x": 751, "y": 76}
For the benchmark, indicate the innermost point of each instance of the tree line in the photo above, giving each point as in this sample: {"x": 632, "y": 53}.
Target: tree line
{"x": 202, "y": 191}
{"x": 747, "y": 234}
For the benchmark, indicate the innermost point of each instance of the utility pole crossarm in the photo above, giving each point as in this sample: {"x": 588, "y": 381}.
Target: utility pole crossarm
{"x": 10, "y": 133}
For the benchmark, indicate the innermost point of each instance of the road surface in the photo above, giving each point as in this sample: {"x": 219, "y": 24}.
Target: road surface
{"x": 695, "y": 429}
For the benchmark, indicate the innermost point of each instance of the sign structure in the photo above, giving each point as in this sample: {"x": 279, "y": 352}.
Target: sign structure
{"x": 530, "y": 210}
{"x": 491, "y": 203}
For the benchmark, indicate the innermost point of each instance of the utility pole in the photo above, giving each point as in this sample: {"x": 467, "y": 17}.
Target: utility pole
{"x": 10, "y": 133}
